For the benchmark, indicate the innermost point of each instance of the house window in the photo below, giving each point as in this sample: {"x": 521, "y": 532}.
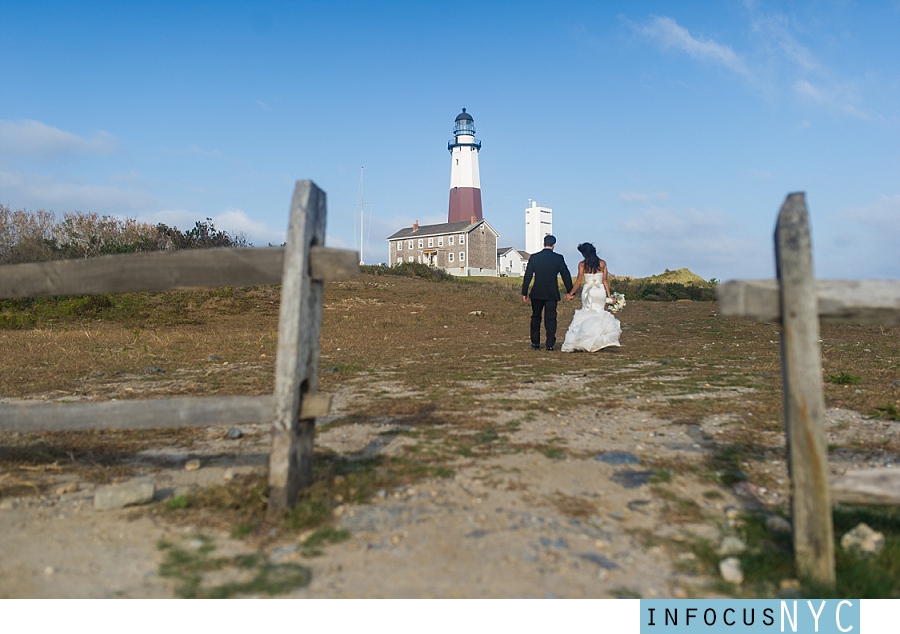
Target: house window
{"x": 430, "y": 242}
{"x": 420, "y": 258}
{"x": 451, "y": 241}
{"x": 400, "y": 245}
{"x": 450, "y": 256}
{"x": 462, "y": 256}
{"x": 462, "y": 239}
{"x": 400, "y": 260}
{"x": 440, "y": 241}
{"x": 421, "y": 243}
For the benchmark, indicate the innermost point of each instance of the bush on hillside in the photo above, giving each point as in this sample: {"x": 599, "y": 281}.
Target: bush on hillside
{"x": 203, "y": 236}
{"x": 38, "y": 237}
{"x": 409, "y": 269}
{"x": 649, "y": 290}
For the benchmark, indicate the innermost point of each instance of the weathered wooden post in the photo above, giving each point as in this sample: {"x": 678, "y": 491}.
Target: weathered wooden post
{"x": 290, "y": 459}
{"x": 804, "y": 401}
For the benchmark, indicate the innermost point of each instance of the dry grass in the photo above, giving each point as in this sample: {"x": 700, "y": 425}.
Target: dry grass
{"x": 575, "y": 506}
{"x": 435, "y": 353}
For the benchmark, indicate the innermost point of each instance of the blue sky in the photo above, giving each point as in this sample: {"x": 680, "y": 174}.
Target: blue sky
{"x": 666, "y": 133}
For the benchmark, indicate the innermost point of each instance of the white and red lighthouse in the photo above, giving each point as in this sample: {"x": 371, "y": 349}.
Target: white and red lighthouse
{"x": 465, "y": 184}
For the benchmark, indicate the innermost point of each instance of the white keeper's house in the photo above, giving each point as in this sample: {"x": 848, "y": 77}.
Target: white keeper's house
{"x": 466, "y": 248}
{"x": 511, "y": 262}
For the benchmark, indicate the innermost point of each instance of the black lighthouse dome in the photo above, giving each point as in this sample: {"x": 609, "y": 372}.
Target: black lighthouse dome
{"x": 464, "y": 124}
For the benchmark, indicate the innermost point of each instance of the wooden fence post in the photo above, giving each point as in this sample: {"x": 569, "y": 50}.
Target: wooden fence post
{"x": 290, "y": 459}
{"x": 804, "y": 401}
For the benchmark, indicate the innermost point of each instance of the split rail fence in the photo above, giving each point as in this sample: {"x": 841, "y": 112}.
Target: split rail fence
{"x": 799, "y": 302}
{"x": 301, "y": 267}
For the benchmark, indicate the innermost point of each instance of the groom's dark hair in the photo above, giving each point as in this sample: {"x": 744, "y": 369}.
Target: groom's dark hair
{"x": 549, "y": 240}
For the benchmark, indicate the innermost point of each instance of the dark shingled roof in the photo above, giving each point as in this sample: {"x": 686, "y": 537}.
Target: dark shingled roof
{"x": 434, "y": 230}
{"x": 505, "y": 250}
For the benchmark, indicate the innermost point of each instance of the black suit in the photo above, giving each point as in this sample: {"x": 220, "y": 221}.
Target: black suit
{"x": 545, "y": 266}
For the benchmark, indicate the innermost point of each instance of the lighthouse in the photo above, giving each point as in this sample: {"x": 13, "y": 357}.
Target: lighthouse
{"x": 465, "y": 184}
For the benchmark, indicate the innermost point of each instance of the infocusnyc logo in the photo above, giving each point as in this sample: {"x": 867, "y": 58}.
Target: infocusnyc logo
{"x": 750, "y": 616}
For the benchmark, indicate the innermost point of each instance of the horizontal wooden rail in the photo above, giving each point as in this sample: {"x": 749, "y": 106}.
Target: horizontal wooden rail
{"x": 877, "y": 486}
{"x": 162, "y": 270}
{"x": 867, "y": 302}
{"x": 32, "y": 416}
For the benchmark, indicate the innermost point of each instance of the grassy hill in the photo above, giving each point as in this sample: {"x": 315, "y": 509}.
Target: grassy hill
{"x": 681, "y": 276}
{"x": 666, "y": 287}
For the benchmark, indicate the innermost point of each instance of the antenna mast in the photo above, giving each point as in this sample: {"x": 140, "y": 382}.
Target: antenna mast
{"x": 362, "y": 205}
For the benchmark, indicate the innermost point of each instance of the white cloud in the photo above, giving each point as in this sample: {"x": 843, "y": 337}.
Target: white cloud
{"x": 853, "y": 243}
{"x": 783, "y": 44}
{"x": 836, "y": 98}
{"x": 30, "y": 138}
{"x": 34, "y": 191}
{"x": 638, "y": 197}
{"x": 687, "y": 224}
{"x": 195, "y": 150}
{"x": 861, "y": 242}
{"x": 669, "y": 34}
{"x": 259, "y": 233}
{"x": 811, "y": 80}
{"x": 130, "y": 178}
{"x": 652, "y": 239}
{"x": 336, "y": 242}
{"x": 792, "y": 66}
{"x": 882, "y": 215}
{"x": 233, "y": 220}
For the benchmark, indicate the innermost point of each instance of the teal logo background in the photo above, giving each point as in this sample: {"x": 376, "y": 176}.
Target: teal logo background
{"x": 750, "y": 616}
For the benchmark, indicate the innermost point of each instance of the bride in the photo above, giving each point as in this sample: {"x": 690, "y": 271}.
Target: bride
{"x": 593, "y": 327}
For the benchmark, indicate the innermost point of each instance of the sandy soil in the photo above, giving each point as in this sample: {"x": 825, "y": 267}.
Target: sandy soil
{"x": 501, "y": 527}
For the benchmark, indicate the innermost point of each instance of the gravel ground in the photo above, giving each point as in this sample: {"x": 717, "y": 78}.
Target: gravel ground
{"x": 513, "y": 525}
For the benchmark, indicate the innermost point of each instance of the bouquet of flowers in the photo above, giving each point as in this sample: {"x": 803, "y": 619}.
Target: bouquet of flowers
{"x": 615, "y": 303}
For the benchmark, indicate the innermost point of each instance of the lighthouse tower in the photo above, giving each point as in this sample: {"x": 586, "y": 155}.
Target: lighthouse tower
{"x": 465, "y": 184}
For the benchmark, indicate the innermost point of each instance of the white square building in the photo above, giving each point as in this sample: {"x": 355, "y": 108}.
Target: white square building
{"x": 538, "y": 223}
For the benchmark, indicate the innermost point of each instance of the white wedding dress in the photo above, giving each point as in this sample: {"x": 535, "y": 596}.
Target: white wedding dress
{"x": 593, "y": 327}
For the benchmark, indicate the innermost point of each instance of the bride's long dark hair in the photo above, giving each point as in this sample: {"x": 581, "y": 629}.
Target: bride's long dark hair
{"x": 591, "y": 259}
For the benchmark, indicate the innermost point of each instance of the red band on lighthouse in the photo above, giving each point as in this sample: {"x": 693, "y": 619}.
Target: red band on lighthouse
{"x": 465, "y": 203}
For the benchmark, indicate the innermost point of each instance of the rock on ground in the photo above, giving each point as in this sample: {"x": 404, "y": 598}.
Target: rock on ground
{"x": 863, "y": 539}
{"x": 116, "y": 496}
{"x": 730, "y": 569}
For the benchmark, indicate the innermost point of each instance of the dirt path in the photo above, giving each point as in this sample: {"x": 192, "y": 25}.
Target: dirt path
{"x": 512, "y": 525}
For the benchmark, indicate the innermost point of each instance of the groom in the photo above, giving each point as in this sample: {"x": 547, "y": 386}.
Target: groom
{"x": 544, "y": 266}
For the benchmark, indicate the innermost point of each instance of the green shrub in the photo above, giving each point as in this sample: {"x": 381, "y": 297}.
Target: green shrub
{"x": 649, "y": 290}
{"x": 409, "y": 269}
{"x": 843, "y": 379}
